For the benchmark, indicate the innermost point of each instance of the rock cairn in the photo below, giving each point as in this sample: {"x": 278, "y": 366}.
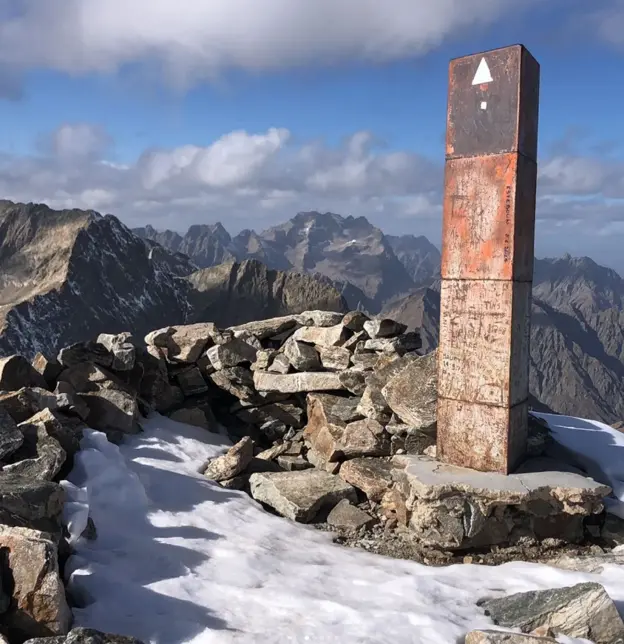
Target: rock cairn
{"x": 325, "y": 411}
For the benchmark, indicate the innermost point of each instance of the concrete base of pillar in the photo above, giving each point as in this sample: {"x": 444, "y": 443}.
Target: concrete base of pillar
{"x": 457, "y": 508}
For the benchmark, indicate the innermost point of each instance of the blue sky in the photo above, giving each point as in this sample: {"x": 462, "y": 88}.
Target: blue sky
{"x": 127, "y": 112}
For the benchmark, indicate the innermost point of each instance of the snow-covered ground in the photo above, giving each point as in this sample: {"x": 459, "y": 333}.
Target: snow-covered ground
{"x": 179, "y": 559}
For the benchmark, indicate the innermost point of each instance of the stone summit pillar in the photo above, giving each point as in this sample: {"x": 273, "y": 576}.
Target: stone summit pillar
{"x": 487, "y": 259}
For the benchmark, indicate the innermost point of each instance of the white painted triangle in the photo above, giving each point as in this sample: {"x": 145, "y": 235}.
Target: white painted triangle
{"x": 483, "y": 74}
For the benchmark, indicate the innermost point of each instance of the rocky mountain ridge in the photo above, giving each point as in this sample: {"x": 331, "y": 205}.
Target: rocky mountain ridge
{"x": 350, "y": 252}
{"x": 68, "y": 275}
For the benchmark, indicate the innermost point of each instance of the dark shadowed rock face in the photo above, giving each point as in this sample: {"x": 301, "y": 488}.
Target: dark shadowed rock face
{"x": 419, "y": 256}
{"x": 233, "y": 293}
{"x": 206, "y": 245}
{"x": 70, "y": 275}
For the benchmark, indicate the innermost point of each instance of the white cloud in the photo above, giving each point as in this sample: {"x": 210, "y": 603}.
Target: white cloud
{"x": 254, "y": 180}
{"x": 195, "y": 39}
{"x": 73, "y": 141}
{"x": 609, "y": 21}
{"x": 577, "y": 175}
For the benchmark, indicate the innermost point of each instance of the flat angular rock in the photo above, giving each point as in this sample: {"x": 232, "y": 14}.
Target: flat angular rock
{"x": 155, "y": 388}
{"x": 321, "y": 463}
{"x": 593, "y": 564}
{"x": 82, "y": 352}
{"x": 301, "y": 356}
{"x": 16, "y": 372}
{"x": 454, "y": 507}
{"x": 289, "y": 414}
{"x": 297, "y": 382}
{"x": 249, "y": 338}
{"x": 49, "y": 368}
{"x": 400, "y": 345}
{"x": 232, "y": 463}
{"x": 347, "y": 516}
{"x": 30, "y": 503}
{"x": 412, "y": 393}
{"x": 373, "y": 405}
{"x": 237, "y": 381}
{"x": 335, "y": 358}
{"x": 122, "y": 348}
{"x": 191, "y": 382}
{"x": 81, "y": 635}
{"x": 356, "y": 340}
{"x": 300, "y": 496}
{"x": 329, "y": 408}
{"x": 160, "y": 337}
{"x": 293, "y": 463}
{"x": 371, "y": 475}
{"x": 327, "y": 418}
{"x": 231, "y": 354}
{"x": 27, "y": 401}
{"x": 10, "y": 436}
{"x": 280, "y": 364}
{"x": 364, "y": 438}
{"x": 384, "y": 328}
{"x": 355, "y": 320}
{"x": 188, "y": 342}
{"x": 332, "y": 336}
{"x": 364, "y": 360}
{"x": 584, "y": 610}
{"x": 273, "y": 452}
{"x": 264, "y": 358}
{"x": 265, "y": 329}
{"x": 112, "y": 409}
{"x": 319, "y": 318}
{"x": 353, "y": 381}
{"x": 39, "y": 606}
{"x": 87, "y": 377}
{"x": 40, "y": 457}
{"x": 502, "y": 637}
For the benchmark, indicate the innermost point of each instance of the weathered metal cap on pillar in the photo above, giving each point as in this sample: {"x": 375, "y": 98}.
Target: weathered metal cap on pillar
{"x": 493, "y": 103}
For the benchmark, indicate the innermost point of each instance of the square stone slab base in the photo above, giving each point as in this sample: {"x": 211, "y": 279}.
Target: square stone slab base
{"x": 456, "y": 508}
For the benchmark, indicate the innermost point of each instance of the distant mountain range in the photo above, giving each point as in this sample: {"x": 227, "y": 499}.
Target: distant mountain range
{"x": 68, "y": 275}
{"x": 577, "y": 347}
{"x": 368, "y": 267}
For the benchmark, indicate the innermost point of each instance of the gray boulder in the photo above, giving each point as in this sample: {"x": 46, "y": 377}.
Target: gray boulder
{"x": 10, "y": 436}
{"x": 31, "y": 503}
{"x": 16, "y": 372}
{"x": 584, "y": 610}
{"x": 300, "y": 495}
{"x": 232, "y": 463}
{"x": 38, "y": 607}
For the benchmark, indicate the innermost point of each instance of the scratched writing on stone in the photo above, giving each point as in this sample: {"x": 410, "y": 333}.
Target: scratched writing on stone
{"x": 507, "y": 242}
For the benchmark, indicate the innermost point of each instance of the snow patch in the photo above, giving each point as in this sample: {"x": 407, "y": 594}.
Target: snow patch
{"x": 180, "y": 559}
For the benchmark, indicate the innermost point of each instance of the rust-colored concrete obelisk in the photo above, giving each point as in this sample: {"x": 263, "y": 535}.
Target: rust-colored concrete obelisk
{"x": 487, "y": 259}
